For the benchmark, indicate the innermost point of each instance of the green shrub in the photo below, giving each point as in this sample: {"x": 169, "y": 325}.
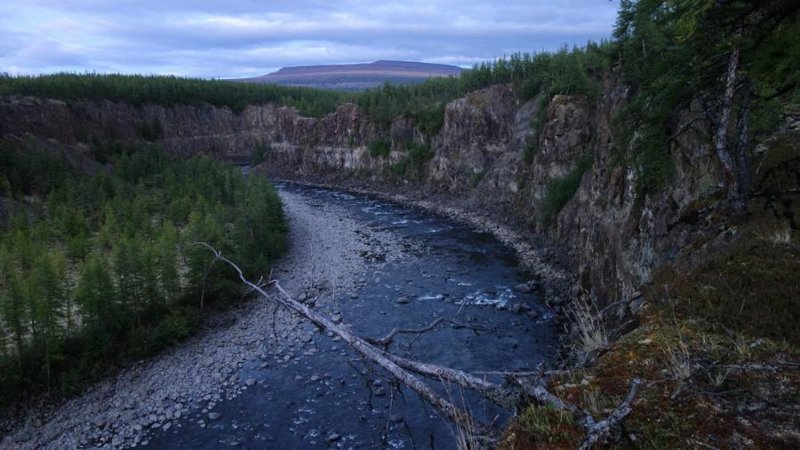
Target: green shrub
{"x": 561, "y": 190}
{"x": 529, "y": 152}
{"x": 259, "y": 153}
{"x": 413, "y": 164}
{"x": 399, "y": 168}
{"x": 150, "y": 131}
{"x": 418, "y": 154}
{"x": 379, "y": 148}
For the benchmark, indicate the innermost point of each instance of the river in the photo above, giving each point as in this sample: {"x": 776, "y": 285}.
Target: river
{"x": 324, "y": 395}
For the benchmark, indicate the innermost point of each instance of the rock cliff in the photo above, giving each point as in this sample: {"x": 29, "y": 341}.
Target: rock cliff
{"x": 494, "y": 154}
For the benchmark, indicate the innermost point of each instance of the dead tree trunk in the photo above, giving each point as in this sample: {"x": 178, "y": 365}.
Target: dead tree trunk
{"x": 743, "y": 142}
{"x": 723, "y": 123}
{"x": 447, "y": 408}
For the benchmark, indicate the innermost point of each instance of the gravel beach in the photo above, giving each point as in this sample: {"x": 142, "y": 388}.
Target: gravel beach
{"x": 328, "y": 254}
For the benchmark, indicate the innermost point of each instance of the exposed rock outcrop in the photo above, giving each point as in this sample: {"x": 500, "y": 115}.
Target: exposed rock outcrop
{"x": 494, "y": 154}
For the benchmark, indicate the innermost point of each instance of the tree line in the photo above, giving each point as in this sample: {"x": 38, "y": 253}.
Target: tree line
{"x": 567, "y": 71}
{"x": 170, "y": 90}
{"x": 98, "y": 268}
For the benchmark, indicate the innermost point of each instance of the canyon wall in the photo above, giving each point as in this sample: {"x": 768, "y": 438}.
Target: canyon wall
{"x": 494, "y": 155}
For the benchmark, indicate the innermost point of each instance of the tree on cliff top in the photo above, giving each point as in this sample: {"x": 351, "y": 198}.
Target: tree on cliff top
{"x": 734, "y": 56}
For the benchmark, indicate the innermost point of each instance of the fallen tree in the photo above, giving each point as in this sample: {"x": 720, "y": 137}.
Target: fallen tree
{"x": 518, "y": 389}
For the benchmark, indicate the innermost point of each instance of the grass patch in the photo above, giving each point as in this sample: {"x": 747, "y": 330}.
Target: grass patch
{"x": 542, "y": 427}
{"x": 752, "y": 288}
{"x": 589, "y": 323}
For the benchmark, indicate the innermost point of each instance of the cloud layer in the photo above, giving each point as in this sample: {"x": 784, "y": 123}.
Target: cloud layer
{"x": 238, "y": 38}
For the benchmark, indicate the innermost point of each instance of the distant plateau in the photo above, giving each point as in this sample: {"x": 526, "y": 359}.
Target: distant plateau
{"x": 356, "y": 77}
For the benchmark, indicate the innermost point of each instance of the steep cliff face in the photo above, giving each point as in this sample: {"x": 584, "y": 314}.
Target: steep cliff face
{"x": 493, "y": 154}
{"x": 187, "y": 129}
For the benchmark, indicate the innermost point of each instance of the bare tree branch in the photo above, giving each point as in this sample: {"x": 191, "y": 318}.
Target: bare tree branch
{"x": 386, "y": 340}
{"x": 599, "y": 430}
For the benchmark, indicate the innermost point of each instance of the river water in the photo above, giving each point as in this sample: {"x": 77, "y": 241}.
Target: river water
{"x": 331, "y": 398}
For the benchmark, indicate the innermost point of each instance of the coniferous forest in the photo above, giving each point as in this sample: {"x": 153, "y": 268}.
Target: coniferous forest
{"x": 98, "y": 266}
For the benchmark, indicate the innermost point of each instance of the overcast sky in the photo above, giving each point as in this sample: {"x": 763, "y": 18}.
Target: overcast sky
{"x": 238, "y": 38}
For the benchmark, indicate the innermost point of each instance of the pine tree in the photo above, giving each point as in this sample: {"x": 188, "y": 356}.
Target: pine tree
{"x": 129, "y": 271}
{"x": 47, "y": 298}
{"x": 96, "y": 295}
{"x": 168, "y": 263}
{"x": 15, "y": 312}
{"x": 151, "y": 290}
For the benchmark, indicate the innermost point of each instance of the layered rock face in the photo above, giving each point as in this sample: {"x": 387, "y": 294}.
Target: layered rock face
{"x": 494, "y": 154}
{"x": 189, "y": 129}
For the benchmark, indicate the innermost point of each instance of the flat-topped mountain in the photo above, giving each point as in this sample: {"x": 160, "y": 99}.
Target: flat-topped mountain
{"x": 356, "y": 76}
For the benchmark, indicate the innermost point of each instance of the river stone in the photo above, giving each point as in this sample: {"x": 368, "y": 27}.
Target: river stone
{"x": 250, "y": 381}
{"x": 403, "y": 300}
{"x": 336, "y": 318}
{"x": 395, "y": 418}
{"x": 520, "y": 307}
{"x": 213, "y": 416}
{"x": 636, "y": 306}
{"x": 353, "y": 295}
{"x": 333, "y": 437}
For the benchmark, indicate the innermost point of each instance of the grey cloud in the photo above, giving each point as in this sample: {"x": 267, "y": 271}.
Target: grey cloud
{"x": 242, "y": 38}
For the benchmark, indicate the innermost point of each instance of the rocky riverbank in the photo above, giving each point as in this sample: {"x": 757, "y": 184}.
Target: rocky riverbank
{"x": 328, "y": 253}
